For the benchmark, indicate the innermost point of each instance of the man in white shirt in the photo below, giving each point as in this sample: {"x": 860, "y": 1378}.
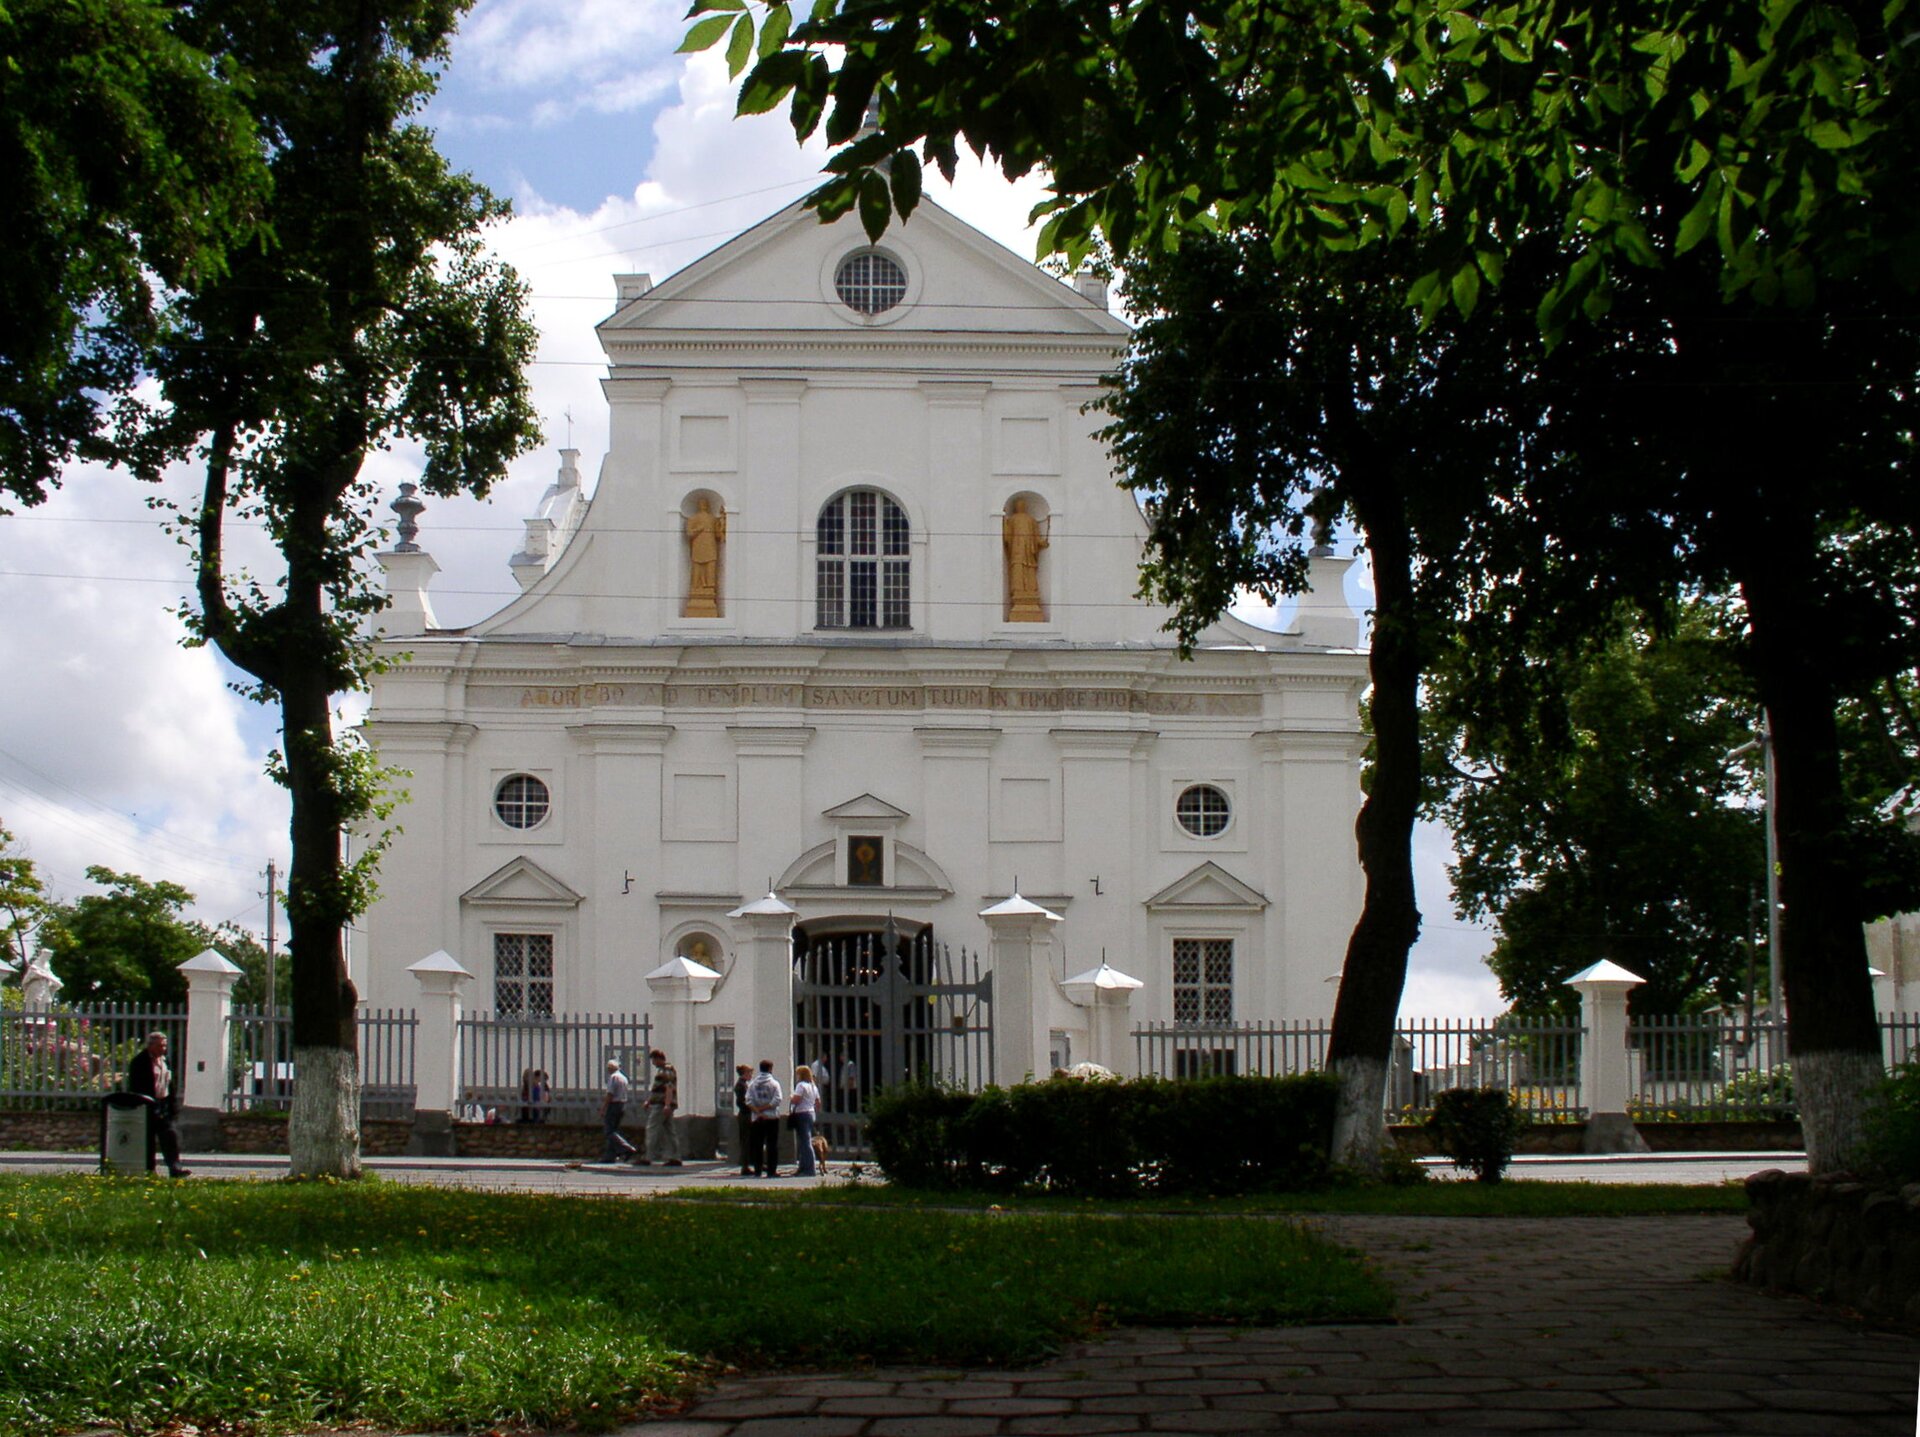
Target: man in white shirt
{"x": 149, "y": 1076}
{"x": 613, "y": 1107}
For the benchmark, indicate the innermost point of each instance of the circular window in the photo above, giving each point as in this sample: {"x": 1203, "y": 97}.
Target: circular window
{"x": 869, "y": 282}
{"x": 521, "y": 801}
{"x": 1203, "y": 811}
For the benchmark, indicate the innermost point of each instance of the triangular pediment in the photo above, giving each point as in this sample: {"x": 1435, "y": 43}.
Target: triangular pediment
{"x": 777, "y": 276}
{"x": 1209, "y": 887}
{"x": 865, "y": 809}
{"x": 521, "y": 883}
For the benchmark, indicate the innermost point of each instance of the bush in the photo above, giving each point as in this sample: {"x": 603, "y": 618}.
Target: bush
{"x": 1204, "y": 1136}
{"x": 1763, "y": 1093}
{"x": 1478, "y": 1128}
{"x": 1893, "y": 1125}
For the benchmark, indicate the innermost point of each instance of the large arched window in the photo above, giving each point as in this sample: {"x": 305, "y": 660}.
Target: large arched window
{"x": 861, "y": 563}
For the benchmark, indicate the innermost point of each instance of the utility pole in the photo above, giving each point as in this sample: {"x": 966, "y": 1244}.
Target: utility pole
{"x": 273, "y": 903}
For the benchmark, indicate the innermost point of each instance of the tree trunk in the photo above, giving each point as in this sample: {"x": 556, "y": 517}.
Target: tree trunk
{"x": 1375, "y": 971}
{"x": 323, "y": 1133}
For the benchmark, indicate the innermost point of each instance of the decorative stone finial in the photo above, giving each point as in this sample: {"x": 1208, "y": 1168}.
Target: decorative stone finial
{"x": 409, "y": 509}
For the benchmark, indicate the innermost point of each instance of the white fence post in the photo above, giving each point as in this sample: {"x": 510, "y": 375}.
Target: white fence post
{"x": 436, "y": 1053}
{"x": 767, "y": 958}
{"x": 203, "y": 1067}
{"x": 1021, "y": 982}
{"x": 1107, "y": 993}
{"x": 1605, "y": 1086}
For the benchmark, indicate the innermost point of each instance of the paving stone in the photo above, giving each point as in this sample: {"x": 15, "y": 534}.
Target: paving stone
{"x": 798, "y": 1405}
{"x": 1827, "y": 1399}
{"x": 934, "y": 1427}
{"x": 1683, "y": 1399}
{"x": 1199, "y": 1386}
{"x": 800, "y": 1427}
{"x": 939, "y": 1388}
{"x": 1008, "y": 1406}
{"x": 1088, "y": 1423}
{"x": 1420, "y": 1401}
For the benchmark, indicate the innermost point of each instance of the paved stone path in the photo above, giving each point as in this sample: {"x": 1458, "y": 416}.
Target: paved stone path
{"x": 1508, "y": 1325}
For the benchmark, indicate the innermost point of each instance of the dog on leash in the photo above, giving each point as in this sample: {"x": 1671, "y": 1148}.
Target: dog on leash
{"x": 819, "y": 1153}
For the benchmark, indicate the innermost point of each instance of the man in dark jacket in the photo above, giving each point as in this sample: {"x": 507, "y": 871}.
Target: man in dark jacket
{"x": 149, "y": 1076}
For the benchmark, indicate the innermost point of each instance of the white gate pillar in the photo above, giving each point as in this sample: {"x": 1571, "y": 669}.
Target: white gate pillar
{"x": 203, "y": 1066}
{"x": 1022, "y": 988}
{"x": 436, "y": 1053}
{"x": 1605, "y": 1085}
{"x": 679, "y": 985}
{"x": 766, "y": 955}
{"x": 1108, "y": 995}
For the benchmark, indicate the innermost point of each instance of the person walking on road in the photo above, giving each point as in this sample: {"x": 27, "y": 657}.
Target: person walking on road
{"x": 149, "y": 1076}
{"x": 763, "y": 1101}
{"x": 663, "y": 1101}
{"x": 613, "y": 1107}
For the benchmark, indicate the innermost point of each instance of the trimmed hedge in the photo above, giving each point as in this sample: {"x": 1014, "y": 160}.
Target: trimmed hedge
{"x": 1197, "y": 1136}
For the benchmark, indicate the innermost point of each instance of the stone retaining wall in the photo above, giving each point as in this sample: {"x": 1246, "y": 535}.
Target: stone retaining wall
{"x": 1836, "y": 1239}
{"x": 1569, "y": 1138}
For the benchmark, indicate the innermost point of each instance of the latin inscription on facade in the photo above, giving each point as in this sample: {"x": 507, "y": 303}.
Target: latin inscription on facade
{"x": 860, "y": 698}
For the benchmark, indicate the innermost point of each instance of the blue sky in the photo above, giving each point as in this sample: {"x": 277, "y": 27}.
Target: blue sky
{"x": 120, "y": 747}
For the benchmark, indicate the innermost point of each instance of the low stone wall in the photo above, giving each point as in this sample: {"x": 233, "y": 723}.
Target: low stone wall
{"x": 267, "y": 1133}
{"x": 569, "y": 1142}
{"x": 1837, "y": 1239}
{"x": 50, "y": 1132}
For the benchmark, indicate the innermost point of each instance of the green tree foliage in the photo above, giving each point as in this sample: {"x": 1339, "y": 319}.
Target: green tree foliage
{"x": 1260, "y": 397}
{"x": 129, "y": 163}
{"x": 23, "y": 901}
{"x": 124, "y": 945}
{"x": 1728, "y": 188}
{"x": 1596, "y": 812}
{"x": 373, "y": 319}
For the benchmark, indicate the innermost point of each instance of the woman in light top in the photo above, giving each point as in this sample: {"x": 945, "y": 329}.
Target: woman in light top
{"x": 801, "y": 1109}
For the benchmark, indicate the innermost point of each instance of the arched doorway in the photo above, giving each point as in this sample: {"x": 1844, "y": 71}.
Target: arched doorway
{"x": 882, "y": 1002}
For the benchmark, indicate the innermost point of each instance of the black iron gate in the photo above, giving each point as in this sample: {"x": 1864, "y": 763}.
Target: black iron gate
{"x": 874, "y": 1008}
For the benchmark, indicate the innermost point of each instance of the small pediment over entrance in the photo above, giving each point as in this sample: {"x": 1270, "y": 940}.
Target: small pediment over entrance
{"x": 865, "y": 809}
{"x": 915, "y": 876}
{"x": 521, "y": 883}
{"x": 1209, "y": 887}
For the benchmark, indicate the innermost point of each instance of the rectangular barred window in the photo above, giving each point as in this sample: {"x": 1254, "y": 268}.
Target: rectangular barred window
{"x": 893, "y": 595}
{"x": 523, "y": 975}
{"x": 830, "y": 595}
{"x": 1203, "y": 980}
{"x": 861, "y": 599}
{"x": 863, "y": 508}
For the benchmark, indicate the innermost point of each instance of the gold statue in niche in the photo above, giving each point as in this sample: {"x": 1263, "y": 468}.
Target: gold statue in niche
{"x": 1023, "y": 539}
{"x": 706, "y": 532}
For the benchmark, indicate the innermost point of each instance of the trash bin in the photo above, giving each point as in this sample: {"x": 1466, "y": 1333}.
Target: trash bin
{"x": 126, "y": 1137}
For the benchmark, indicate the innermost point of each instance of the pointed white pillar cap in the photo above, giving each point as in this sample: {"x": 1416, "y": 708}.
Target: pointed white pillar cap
{"x": 682, "y": 968}
{"x": 438, "y": 962}
{"x": 1105, "y": 976}
{"x": 771, "y": 906}
{"x": 1018, "y": 907}
{"x": 1608, "y": 972}
{"x": 211, "y": 960}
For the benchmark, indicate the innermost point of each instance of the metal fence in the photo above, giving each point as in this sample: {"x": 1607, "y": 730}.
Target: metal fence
{"x": 1900, "y": 1037}
{"x": 1539, "y": 1062}
{"x": 498, "y": 1055}
{"x": 1708, "y": 1067}
{"x": 66, "y": 1056}
{"x": 260, "y": 1068}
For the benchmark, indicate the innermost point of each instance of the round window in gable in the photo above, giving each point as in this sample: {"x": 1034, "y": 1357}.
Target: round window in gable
{"x": 869, "y": 282}
{"x": 1203, "y": 811}
{"x": 521, "y": 801}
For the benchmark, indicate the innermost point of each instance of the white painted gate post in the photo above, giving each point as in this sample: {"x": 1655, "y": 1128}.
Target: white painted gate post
{"x": 1108, "y": 995}
{"x": 679, "y": 985}
{"x": 203, "y": 1066}
{"x": 1605, "y": 1085}
{"x": 767, "y": 956}
{"x": 1022, "y": 988}
{"x": 436, "y": 1053}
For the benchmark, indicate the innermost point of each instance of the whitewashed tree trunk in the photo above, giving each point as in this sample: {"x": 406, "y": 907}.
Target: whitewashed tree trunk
{"x": 1832, "y": 1089}
{"x": 1359, "y": 1121}
{"x": 323, "y": 1131}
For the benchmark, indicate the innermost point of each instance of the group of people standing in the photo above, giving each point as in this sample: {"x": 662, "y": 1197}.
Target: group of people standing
{"x": 757, "y": 1100}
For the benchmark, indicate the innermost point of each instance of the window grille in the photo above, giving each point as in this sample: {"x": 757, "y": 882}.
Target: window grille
{"x": 862, "y": 564}
{"x": 521, "y": 801}
{"x": 870, "y": 283}
{"x": 1203, "y": 980}
{"x": 523, "y": 975}
{"x": 1203, "y": 811}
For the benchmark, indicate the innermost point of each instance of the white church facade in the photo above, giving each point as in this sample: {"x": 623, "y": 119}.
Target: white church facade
{"x": 848, "y": 633}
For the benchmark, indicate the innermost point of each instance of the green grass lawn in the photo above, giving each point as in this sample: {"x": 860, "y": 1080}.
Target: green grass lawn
{"x": 1433, "y": 1199}
{"x": 275, "y": 1306}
